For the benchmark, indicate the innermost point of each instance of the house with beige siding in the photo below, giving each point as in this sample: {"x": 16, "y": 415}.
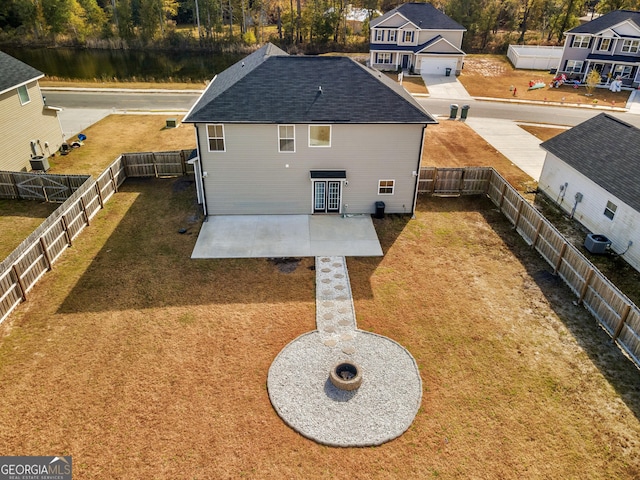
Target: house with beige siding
{"x": 28, "y": 127}
{"x": 281, "y": 134}
{"x": 592, "y": 172}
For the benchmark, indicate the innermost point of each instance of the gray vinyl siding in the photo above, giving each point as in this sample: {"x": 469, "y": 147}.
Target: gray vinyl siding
{"x": 252, "y": 177}
{"x": 20, "y": 124}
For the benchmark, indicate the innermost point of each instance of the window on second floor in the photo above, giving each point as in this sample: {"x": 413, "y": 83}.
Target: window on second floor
{"x": 379, "y": 35}
{"x": 215, "y": 134}
{"x": 319, "y": 135}
{"x": 630, "y": 46}
{"x": 286, "y": 138}
{"x": 610, "y": 210}
{"x": 23, "y": 93}
{"x": 392, "y": 36}
{"x": 605, "y": 44}
{"x": 407, "y": 36}
{"x": 581, "y": 41}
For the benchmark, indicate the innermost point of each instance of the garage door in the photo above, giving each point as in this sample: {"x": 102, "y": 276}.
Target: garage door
{"x": 437, "y": 66}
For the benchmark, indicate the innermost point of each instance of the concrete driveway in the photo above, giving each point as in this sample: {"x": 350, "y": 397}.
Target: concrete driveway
{"x": 253, "y": 236}
{"x": 440, "y": 86}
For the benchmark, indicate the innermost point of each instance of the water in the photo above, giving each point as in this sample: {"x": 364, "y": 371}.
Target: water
{"x": 142, "y": 65}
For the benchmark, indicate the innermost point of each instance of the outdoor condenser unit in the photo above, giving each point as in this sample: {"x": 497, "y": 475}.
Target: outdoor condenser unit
{"x": 172, "y": 123}
{"x": 596, "y": 243}
{"x": 39, "y": 163}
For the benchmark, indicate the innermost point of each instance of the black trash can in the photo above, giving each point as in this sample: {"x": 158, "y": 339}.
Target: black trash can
{"x": 380, "y": 209}
{"x": 464, "y": 112}
{"x": 447, "y": 72}
{"x": 454, "y": 111}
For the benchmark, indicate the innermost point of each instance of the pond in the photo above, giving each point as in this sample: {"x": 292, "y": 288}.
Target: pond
{"x": 129, "y": 65}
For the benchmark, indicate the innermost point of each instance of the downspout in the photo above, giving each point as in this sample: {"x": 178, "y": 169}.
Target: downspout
{"x": 204, "y": 192}
{"x": 417, "y": 175}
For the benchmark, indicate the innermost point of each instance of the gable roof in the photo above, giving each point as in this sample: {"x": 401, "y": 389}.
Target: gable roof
{"x": 14, "y": 73}
{"x": 605, "y": 150}
{"x": 270, "y": 86}
{"x": 423, "y": 15}
{"x": 609, "y": 20}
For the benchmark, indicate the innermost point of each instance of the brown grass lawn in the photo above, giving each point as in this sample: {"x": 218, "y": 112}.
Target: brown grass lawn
{"x": 142, "y": 363}
{"x": 117, "y": 134}
{"x": 18, "y": 218}
{"x": 543, "y": 133}
{"x": 54, "y": 82}
{"x": 413, "y": 85}
{"x": 493, "y": 75}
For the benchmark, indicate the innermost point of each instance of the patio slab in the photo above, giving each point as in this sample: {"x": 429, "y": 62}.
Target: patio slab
{"x": 253, "y": 236}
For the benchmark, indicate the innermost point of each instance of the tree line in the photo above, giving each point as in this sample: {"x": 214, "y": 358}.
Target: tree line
{"x": 306, "y": 24}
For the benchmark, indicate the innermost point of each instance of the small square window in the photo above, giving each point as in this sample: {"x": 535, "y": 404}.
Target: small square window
{"x": 386, "y": 187}
{"x": 23, "y": 93}
{"x": 407, "y": 36}
{"x": 605, "y": 44}
{"x": 286, "y": 138}
{"x": 630, "y": 46}
{"x": 610, "y": 210}
{"x": 216, "y": 138}
{"x": 319, "y": 135}
{"x": 574, "y": 66}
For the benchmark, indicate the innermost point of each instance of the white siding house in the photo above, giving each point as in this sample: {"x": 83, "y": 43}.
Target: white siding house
{"x": 280, "y": 134}
{"x": 591, "y": 172}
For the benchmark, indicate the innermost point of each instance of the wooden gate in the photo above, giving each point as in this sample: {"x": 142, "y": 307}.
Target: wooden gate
{"x": 47, "y": 188}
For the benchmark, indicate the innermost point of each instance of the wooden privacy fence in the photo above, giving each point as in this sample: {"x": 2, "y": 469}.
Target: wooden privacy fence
{"x": 39, "y": 186}
{"x": 618, "y": 315}
{"x": 21, "y": 270}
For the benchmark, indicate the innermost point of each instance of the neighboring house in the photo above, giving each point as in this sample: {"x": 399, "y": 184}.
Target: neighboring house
{"x": 609, "y": 44}
{"x": 28, "y": 127}
{"x": 280, "y": 134}
{"x": 418, "y": 37}
{"x": 592, "y": 171}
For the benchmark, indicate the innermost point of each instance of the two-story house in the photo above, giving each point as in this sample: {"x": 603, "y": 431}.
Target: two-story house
{"x": 281, "y": 134}
{"x": 610, "y": 44}
{"x": 418, "y": 37}
{"x": 28, "y": 127}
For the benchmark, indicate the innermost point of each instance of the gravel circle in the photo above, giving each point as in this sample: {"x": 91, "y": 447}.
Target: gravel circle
{"x": 382, "y": 408}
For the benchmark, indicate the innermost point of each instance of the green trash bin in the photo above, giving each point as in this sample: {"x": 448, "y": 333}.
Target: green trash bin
{"x": 447, "y": 72}
{"x": 464, "y": 112}
{"x": 454, "y": 111}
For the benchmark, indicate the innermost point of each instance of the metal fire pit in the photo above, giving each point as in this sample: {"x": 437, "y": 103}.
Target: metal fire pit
{"x": 346, "y": 376}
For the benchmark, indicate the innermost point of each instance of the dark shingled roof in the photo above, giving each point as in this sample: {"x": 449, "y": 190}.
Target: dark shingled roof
{"x": 270, "y": 86}
{"x": 607, "y": 151}
{"x": 13, "y": 72}
{"x": 609, "y": 20}
{"x": 423, "y": 15}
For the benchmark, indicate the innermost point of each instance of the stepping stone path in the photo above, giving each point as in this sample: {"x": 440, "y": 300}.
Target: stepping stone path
{"x": 387, "y": 401}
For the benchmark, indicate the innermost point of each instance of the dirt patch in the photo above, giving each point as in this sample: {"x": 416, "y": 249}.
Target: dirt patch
{"x": 413, "y": 85}
{"x": 142, "y": 363}
{"x": 543, "y": 133}
{"x": 494, "y": 76}
{"x": 286, "y": 264}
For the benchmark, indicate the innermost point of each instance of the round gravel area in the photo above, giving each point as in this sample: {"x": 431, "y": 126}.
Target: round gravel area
{"x": 380, "y": 410}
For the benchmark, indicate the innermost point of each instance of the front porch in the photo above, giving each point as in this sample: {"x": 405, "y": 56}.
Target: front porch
{"x": 254, "y": 236}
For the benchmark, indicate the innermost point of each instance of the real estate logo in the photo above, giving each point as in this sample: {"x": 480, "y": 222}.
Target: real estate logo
{"x": 35, "y": 468}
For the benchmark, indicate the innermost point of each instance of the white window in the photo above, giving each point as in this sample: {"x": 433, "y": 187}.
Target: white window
{"x": 610, "y": 210}
{"x": 23, "y": 93}
{"x": 605, "y": 44}
{"x": 319, "y": 135}
{"x": 630, "y": 46}
{"x": 392, "y": 36}
{"x": 623, "y": 71}
{"x": 407, "y": 36}
{"x": 386, "y": 187}
{"x": 215, "y": 134}
{"x": 379, "y": 35}
{"x": 574, "y": 66}
{"x": 581, "y": 41}
{"x": 286, "y": 138}
{"x": 383, "y": 58}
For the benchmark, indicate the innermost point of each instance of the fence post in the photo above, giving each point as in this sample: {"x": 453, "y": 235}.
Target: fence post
{"x": 45, "y": 250}
{"x": 23, "y": 291}
{"x": 623, "y": 320}
{"x": 537, "y": 234}
{"x": 518, "y": 211}
{"x": 84, "y": 210}
{"x": 559, "y": 261}
{"x": 113, "y": 180}
{"x": 65, "y": 226}
{"x": 502, "y": 190}
{"x": 99, "y": 193}
{"x": 585, "y": 287}
{"x": 155, "y": 165}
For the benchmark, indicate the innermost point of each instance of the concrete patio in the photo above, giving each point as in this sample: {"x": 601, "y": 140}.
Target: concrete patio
{"x": 252, "y": 236}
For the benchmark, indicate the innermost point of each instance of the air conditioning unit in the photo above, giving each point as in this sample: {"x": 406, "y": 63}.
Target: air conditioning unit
{"x": 596, "y": 243}
{"x": 172, "y": 123}
{"x": 39, "y": 163}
